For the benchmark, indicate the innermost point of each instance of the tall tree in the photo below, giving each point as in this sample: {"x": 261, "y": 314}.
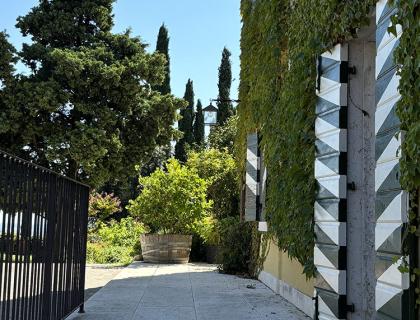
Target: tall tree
{"x": 162, "y": 153}
{"x": 7, "y": 60}
{"x": 162, "y": 46}
{"x": 224, "y": 105}
{"x": 86, "y": 109}
{"x": 185, "y": 124}
{"x": 9, "y": 138}
{"x": 188, "y": 113}
{"x": 199, "y": 125}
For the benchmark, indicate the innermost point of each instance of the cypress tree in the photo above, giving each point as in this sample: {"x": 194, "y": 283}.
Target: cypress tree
{"x": 162, "y": 46}
{"x": 188, "y": 112}
{"x": 185, "y": 124}
{"x": 199, "y": 125}
{"x": 180, "y": 153}
{"x": 225, "y": 108}
{"x": 162, "y": 153}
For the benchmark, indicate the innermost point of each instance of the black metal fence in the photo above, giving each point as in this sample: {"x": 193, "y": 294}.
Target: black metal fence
{"x": 43, "y": 226}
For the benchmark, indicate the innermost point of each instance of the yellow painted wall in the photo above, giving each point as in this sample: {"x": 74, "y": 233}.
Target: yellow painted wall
{"x": 290, "y": 271}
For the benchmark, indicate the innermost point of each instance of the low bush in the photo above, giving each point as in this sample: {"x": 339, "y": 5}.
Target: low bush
{"x": 104, "y": 254}
{"x": 115, "y": 242}
{"x": 125, "y": 233}
{"x": 235, "y": 246}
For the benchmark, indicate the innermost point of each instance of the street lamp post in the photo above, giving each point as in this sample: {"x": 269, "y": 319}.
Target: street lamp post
{"x": 210, "y": 118}
{"x": 210, "y": 115}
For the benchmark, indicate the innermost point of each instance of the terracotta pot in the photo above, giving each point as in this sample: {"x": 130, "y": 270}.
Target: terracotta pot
{"x": 166, "y": 248}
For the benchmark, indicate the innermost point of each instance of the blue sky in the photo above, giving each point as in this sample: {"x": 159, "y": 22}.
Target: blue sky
{"x": 198, "y": 29}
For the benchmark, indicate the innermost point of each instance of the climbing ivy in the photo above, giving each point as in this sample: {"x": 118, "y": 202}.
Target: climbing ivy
{"x": 408, "y": 58}
{"x": 280, "y": 41}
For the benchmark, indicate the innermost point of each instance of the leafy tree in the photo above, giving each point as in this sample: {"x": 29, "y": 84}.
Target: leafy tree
{"x": 86, "y": 110}
{"x": 103, "y": 205}
{"x": 7, "y": 81}
{"x": 161, "y": 153}
{"x": 158, "y": 160}
{"x": 218, "y": 167}
{"x": 224, "y": 105}
{"x": 7, "y": 60}
{"x": 199, "y": 125}
{"x": 162, "y": 46}
{"x": 172, "y": 201}
{"x": 223, "y": 136}
{"x": 185, "y": 124}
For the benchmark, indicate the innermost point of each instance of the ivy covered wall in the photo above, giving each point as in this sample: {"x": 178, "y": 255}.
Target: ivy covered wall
{"x": 407, "y": 55}
{"x": 280, "y": 42}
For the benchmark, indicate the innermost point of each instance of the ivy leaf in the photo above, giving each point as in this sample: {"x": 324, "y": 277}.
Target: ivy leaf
{"x": 393, "y": 30}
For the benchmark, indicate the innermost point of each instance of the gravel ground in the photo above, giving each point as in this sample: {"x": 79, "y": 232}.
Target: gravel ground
{"x": 97, "y": 276}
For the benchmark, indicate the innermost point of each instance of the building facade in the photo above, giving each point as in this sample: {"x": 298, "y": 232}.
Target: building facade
{"x": 363, "y": 254}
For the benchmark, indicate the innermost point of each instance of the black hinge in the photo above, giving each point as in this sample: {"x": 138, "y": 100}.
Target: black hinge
{"x": 352, "y": 70}
{"x": 318, "y": 72}
{"x": 350, "y": 308}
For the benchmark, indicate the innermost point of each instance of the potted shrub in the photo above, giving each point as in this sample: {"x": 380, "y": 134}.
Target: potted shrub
{"x": 172, "y": 203}
{"x": 219, "y": 168}
{"x": 209, "y": 231}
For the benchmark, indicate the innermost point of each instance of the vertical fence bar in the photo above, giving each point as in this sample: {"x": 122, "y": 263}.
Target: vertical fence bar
{"x": 3, "y": 201}
{"x": 84, "y": 218}
{"x": 49, "y": 248}
{"x": 43, "y": 231}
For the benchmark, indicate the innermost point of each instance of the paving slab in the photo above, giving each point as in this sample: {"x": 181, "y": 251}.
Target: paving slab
{"x": 184, "y": 292}
{"x": 165, "y": 313}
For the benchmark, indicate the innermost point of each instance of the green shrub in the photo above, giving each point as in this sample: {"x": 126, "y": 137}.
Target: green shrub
{"x": 219, "y": 168}
{"x": 106, "y": 254}
{"x": 93, "y": 252}
{"x": 235, "y": 248}
{"x": 171, "y": 202}
{"x": 223, "y": 136}
{"x": 125, "y": 233}
{"x": 115, "y": 242}
{"x": 208, "y": 230}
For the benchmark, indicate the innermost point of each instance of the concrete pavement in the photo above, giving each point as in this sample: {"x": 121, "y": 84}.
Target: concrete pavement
{"x": 184, "y": 292}
{"x": 97, "y": 276}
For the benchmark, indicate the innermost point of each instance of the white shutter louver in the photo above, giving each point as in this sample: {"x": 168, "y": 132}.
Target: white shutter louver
{"x": 391, "y": 205}
{"x": 331, "y": 177}
{"x": 252, "y": 178}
